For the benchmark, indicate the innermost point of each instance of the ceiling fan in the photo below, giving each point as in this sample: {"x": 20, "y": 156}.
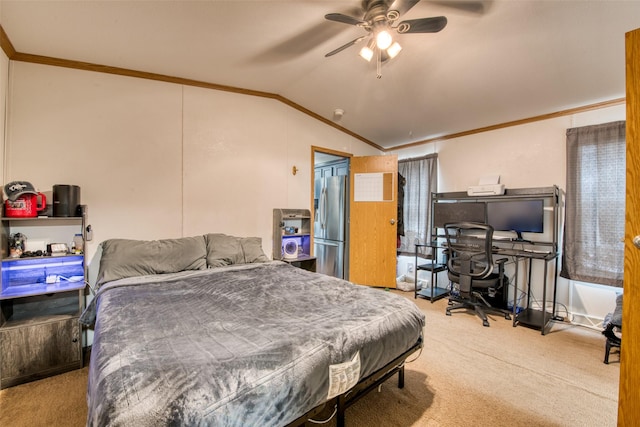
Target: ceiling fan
{"x": 380, "y": 20}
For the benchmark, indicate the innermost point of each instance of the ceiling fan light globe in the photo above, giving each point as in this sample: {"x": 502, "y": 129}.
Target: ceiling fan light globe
{"x": 366, "y": 53}
{"x": 394, "y": 50}
{"x": 383, "y": 39}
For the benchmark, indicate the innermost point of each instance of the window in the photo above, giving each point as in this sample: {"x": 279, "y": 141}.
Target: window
{"x": 420, "y": 180}
{"x": 593, "y": 248}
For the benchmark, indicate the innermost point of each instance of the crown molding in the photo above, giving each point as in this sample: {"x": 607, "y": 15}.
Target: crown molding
{"x": 533, "y": 119}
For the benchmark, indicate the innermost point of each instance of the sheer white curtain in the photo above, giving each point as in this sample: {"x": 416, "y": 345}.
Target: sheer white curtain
{"x": 593, "y": 248}
{"x": 421, "y": 179}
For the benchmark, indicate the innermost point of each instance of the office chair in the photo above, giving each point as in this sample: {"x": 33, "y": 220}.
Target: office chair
{"x": 471, "y": 266}
{"x": 612, "y": 329}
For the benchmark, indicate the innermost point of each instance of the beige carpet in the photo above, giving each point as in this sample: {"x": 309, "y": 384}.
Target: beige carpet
{"x": 466, "y": 375}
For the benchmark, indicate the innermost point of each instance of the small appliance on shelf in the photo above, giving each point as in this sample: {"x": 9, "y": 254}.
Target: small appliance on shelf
{"x": 290, "y": 249}
{"x": 23, "y": 201}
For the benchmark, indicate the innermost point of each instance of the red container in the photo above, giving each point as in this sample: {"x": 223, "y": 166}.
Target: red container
{"x": 25, "y": 206}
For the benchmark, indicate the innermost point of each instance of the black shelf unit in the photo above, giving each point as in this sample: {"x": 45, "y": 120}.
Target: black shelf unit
{"x": 532, "y": 316}
{"x": 293, "y": 225}
{"x": 431, "y": 265}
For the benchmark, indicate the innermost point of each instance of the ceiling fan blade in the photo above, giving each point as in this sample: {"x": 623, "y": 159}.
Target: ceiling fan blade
{"x": 345, "y": 19}
{"x": 422, "y": 25}
{"x": 470, "y": 6}
{"x": 402, "y": 6}
{"x": 344, "y": 46}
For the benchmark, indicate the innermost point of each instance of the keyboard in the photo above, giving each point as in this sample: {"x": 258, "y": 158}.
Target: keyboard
{"x": 531, "y": 253}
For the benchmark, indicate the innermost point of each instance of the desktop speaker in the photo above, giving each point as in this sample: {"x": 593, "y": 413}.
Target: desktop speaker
{"x": 66, "y": 201}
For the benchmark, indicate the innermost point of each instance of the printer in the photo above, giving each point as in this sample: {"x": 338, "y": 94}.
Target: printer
{"x": 486, "y": 190}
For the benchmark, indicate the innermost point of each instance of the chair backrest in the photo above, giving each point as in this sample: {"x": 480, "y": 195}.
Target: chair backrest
{"x": 470, "y": 254}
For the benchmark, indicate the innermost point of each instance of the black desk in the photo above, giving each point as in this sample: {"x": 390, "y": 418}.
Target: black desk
{"x": 530, "y": 316}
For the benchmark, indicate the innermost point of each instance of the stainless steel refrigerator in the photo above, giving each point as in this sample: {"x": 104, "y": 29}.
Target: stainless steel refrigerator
{"x": 329, "y": 225}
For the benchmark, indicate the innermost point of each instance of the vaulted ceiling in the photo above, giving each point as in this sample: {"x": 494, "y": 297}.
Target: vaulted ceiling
{"x": 495, "y": 62}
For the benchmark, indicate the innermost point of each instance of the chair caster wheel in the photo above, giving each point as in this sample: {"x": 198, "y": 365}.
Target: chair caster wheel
{"x": 506, "y": 316}
{"x": 485, "y": 323}
{"x": 448, "y": 313}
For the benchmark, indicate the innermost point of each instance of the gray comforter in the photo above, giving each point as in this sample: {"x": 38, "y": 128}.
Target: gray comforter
{"x": 246, "y": 345}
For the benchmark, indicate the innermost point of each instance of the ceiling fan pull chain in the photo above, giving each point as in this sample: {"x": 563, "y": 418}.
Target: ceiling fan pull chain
{"x": 379, "y": 63}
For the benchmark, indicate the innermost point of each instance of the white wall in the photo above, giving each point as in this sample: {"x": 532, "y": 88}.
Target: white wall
{"x": 529, "y": 155}
{"x": 161, "y": 160}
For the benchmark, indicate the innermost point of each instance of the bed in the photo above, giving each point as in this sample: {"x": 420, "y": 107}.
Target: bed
{"x": 207, "y": 330}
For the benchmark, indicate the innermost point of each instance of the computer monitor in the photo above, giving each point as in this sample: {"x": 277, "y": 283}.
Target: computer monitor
{"x": 520, "y": 216}
{"x": 444, "y": 213}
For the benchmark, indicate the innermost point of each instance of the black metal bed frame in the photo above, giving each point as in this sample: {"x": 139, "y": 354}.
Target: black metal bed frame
{"x": 343, "y": 401}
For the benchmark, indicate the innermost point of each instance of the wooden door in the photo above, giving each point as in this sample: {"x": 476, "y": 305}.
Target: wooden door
{"x": 629, "y": 393}
{"x": 372, "y": 227}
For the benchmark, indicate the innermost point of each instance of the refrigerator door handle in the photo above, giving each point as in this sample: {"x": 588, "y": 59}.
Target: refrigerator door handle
{"x": 323, "y": 208}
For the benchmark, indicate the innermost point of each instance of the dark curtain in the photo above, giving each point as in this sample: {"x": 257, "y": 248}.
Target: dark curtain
{"x": 593, "y": 243}
{"x": 421, "y": 179}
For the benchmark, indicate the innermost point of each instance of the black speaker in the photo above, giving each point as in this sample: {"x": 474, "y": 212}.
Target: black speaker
{"x": 66, "y": 200}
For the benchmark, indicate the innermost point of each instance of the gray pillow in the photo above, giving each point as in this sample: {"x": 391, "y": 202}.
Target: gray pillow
{"x": 224, "y": 250}
{"x": 123, "y": 258}
{"x": 252, "y": 248}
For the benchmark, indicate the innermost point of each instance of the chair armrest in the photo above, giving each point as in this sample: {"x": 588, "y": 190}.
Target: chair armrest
{"x": 500, "y": 263}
